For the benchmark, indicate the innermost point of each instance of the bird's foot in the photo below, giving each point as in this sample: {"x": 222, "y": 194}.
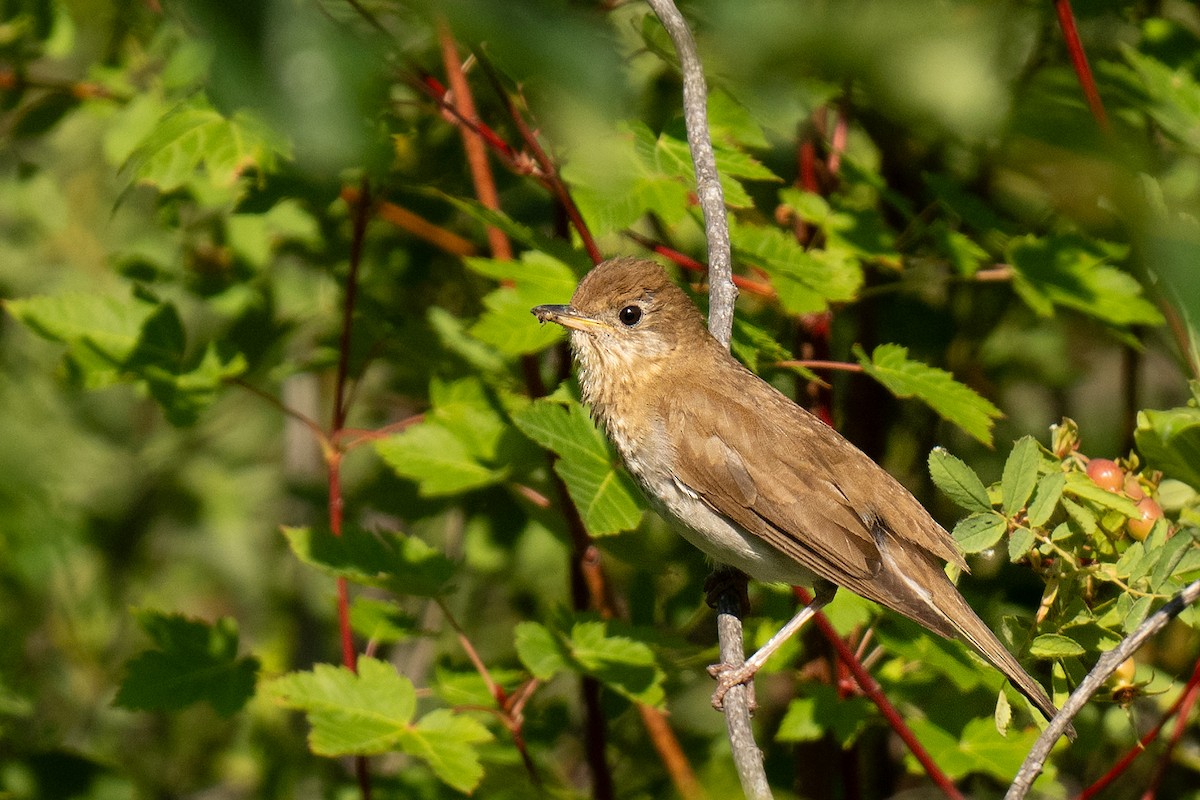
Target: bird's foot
{"x": 727, "y": 579}
{"x": 729, "y": 676}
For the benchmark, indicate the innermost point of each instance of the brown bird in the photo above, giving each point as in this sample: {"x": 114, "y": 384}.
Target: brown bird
{"x": 748, "y": 476}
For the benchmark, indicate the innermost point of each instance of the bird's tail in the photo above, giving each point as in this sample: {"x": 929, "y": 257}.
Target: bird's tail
{"x": 968, "y": 627}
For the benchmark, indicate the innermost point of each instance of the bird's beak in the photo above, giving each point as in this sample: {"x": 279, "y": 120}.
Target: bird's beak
{"x": 567, "y": 317}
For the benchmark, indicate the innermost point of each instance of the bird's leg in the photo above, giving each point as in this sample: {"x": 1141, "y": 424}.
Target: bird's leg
{"x": 728, "y": 676}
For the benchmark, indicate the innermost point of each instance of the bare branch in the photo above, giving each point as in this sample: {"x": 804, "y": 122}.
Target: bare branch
{"x": 721, "y": 297}
{"x": 1106, "y": 666}
{"x": 721, "y": 291}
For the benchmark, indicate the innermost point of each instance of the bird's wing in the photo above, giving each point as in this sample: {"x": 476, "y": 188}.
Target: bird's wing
{"x": 796, "y": 483}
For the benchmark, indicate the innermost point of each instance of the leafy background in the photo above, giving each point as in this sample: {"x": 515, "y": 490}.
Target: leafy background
{"x": 198, "y": 196}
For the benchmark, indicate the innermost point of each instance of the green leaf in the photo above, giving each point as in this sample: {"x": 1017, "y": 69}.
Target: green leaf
{"x": 980, "y": 531}
{"x": 623, "y": 664}
{"x": 1020, "y": 475}
{"x": 192, "y": 662}
{"x": 507, "y": 323}
{"x": 1046, "y": 495}
{"x": 255, "y": 237}
{"x": 1055, "y": 645}
{"x": 606, "y": 497}
{"x": 955, "y": 402}
{"x": 403, "y": 564}
{"x": 351, "y": 714}
{"x": 382, "y": 621}
{"x": 110, "y": 339}
{"x": 1170, "y": 441}
{"x": 446, "y": 741}
{"x": 196, "y": 138}
{"x": 1020, "y": 542}
{"x": 1002, "y": 716}
{"x": 958, "y": 481}
{"x": 823, "y": 712}
{"x": 101, "y": 332}
{"x": 1066, "y": 271}
{"x": 438, "y": 459}
{"x": 539, "y": 650}
{"x": 1080, "y": 486}
{"x": 806, "y": 281}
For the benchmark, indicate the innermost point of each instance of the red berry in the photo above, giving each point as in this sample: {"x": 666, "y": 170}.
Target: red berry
{"x": 1151, "y": 511}
{"x": 1106, "y": 474}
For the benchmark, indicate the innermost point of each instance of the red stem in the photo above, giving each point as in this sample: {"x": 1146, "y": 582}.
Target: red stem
{"x": 1066, "y": 21}
{"x": 872, "y": 690}
{"x": 1187, "y": 697}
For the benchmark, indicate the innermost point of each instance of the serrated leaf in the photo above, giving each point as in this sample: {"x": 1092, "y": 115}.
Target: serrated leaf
{"x": 507, "y": 323}
{"x": 192, "y": 662}
{"x": 351, "y": 714}
{"x": 1066, "y": 271}
{"x": 954, "y": 402}
{"x": 439, "y": 460}
{"x": 196, "y": 138}
{"x": 403, "y": 564}
{"x": 1170, "y": 441}
{"x": 539, "y": 650}
{"x": 446, "y": 740}
{"x": 1020, "y": 542}
{"x": 1080, "y": 486}
{"x": 806, "y": 282}
{"x": 1082, "y": 517}
{"x": 958, "y": 481}
{"x": 1046, "y": 495}
{"x": 382, "y": 621}
{"x": 624, "y": 665}
{"x": 1055, "y": 645}
{"x": 606, "y": 497}
{"x": 1020, "y": 475}
{"x": 980, "y": 531}
{"x": 621, "y": 663}
{"x": 1169, "y": 556}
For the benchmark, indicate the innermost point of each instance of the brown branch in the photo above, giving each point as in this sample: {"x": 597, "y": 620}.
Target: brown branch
{"x": 416, "y": 225}
{"x": 813, "y": 363}
{"x": 871, "y": 688}
{"x": 1105, "y": 666}
{"x": 473, "y": 144}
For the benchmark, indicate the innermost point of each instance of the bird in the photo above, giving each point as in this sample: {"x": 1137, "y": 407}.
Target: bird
{"x": 749, "y": 477}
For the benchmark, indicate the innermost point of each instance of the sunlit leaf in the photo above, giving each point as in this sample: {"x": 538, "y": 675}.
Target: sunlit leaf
{"x": 953, "y": 401}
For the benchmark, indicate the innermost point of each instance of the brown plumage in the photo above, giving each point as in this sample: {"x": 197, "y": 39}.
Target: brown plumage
{"x": 748, "y": 476}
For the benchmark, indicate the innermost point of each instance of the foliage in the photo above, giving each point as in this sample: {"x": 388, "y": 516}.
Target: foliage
{"x": 268, "y": 358}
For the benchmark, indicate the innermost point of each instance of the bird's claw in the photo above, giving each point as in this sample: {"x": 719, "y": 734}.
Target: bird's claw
{"x": 729, "y": 676}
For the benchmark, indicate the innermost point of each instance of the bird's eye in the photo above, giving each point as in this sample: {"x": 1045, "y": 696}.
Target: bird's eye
{"x": 630, "y": 316}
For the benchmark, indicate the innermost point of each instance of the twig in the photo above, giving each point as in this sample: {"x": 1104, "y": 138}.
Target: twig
{"x": 871, "y": 688}
{"x": 721, "y": 291}
{"x": 416, "y": 225}
{"x": 1066, "y": 21}
{"x": 813, "y": 363}
{"x": 473, "y": 144}
{"x": 687, "y": 262}
{"x": 1105, "y": 666}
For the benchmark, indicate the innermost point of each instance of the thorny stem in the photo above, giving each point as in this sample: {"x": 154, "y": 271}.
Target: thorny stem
{"x": 871, "y": 688}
